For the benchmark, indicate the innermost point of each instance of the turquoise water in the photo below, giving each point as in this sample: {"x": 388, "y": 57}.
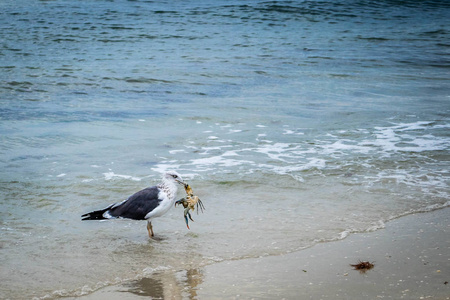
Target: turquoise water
{"x": 295, "y": 122}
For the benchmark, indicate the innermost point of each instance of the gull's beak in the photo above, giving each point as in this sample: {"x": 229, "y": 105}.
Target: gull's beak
{"x": 180, "y": 182}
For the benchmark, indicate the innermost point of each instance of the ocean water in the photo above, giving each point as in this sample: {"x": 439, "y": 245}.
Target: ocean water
{"x": 296, "y": 122}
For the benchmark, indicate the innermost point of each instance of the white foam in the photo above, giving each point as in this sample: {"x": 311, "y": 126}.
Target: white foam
{"x": 274, "y": 151}
{"x": 166, "y": 166}
{"x": 344, "y": 234}
{"x": 112, "y": 175}
{"x": 289, "y": 131}
{"x": 412, "y": 126}
{"x": 149, "y": 271}
{"x": 376, "y": 226}
{"x": 406, "y": 137}
{"x": 442, "y": 126}
{"x": 344, "y": 145}
{"x": 230, "y": 153}
{"x": 177, "y": 151}
{"x": 314, "y": 163}
{"x": 219, "y": 160}
{"x": 294, "y": 158}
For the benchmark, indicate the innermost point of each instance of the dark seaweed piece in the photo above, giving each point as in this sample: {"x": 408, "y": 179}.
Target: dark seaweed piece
{"x": 363, "y": 266}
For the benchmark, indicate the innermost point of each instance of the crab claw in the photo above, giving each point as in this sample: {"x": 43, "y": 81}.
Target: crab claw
{"x": 182, "y": 201}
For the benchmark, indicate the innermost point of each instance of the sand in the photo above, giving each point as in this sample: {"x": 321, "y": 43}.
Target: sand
{"x": 411, "y": 257}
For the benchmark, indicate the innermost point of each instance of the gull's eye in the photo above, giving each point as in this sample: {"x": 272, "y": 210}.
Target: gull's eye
{"x": 174, "y": 176}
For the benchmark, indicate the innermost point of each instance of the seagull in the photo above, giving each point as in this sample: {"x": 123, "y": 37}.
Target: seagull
{"x": 146, "y": 204}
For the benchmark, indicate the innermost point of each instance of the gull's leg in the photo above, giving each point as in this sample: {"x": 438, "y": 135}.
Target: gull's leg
{"x": 150, "y": 229}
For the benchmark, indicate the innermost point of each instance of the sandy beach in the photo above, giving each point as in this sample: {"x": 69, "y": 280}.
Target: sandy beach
{"x": 411, "y": 257}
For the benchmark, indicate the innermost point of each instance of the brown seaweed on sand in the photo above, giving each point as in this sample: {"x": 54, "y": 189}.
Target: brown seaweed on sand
{"x": 363, "y": 266}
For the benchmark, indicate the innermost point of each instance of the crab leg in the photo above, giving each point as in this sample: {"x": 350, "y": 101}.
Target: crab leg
{"x": 200, "y": 204}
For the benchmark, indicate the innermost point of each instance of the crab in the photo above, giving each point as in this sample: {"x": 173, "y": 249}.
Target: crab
{"x": 189, "y": 203}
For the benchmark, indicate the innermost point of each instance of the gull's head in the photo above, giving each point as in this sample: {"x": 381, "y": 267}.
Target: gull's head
{"x": 172, "y": 176}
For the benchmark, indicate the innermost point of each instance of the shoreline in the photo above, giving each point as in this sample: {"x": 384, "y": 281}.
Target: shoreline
{"x": 411, "y": 257}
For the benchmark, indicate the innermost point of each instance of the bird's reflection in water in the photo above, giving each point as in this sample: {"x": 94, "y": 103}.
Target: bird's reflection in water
{"x": 167, "y": 285}
{"x": 194, "y": 277}
{"x": 147, "y": 287}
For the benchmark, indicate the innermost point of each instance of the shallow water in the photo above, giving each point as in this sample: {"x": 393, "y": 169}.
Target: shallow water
{"x": 295, "y": 122}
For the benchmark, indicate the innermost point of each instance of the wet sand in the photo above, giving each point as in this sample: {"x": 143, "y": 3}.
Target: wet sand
{"x": 411, "y": 257}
